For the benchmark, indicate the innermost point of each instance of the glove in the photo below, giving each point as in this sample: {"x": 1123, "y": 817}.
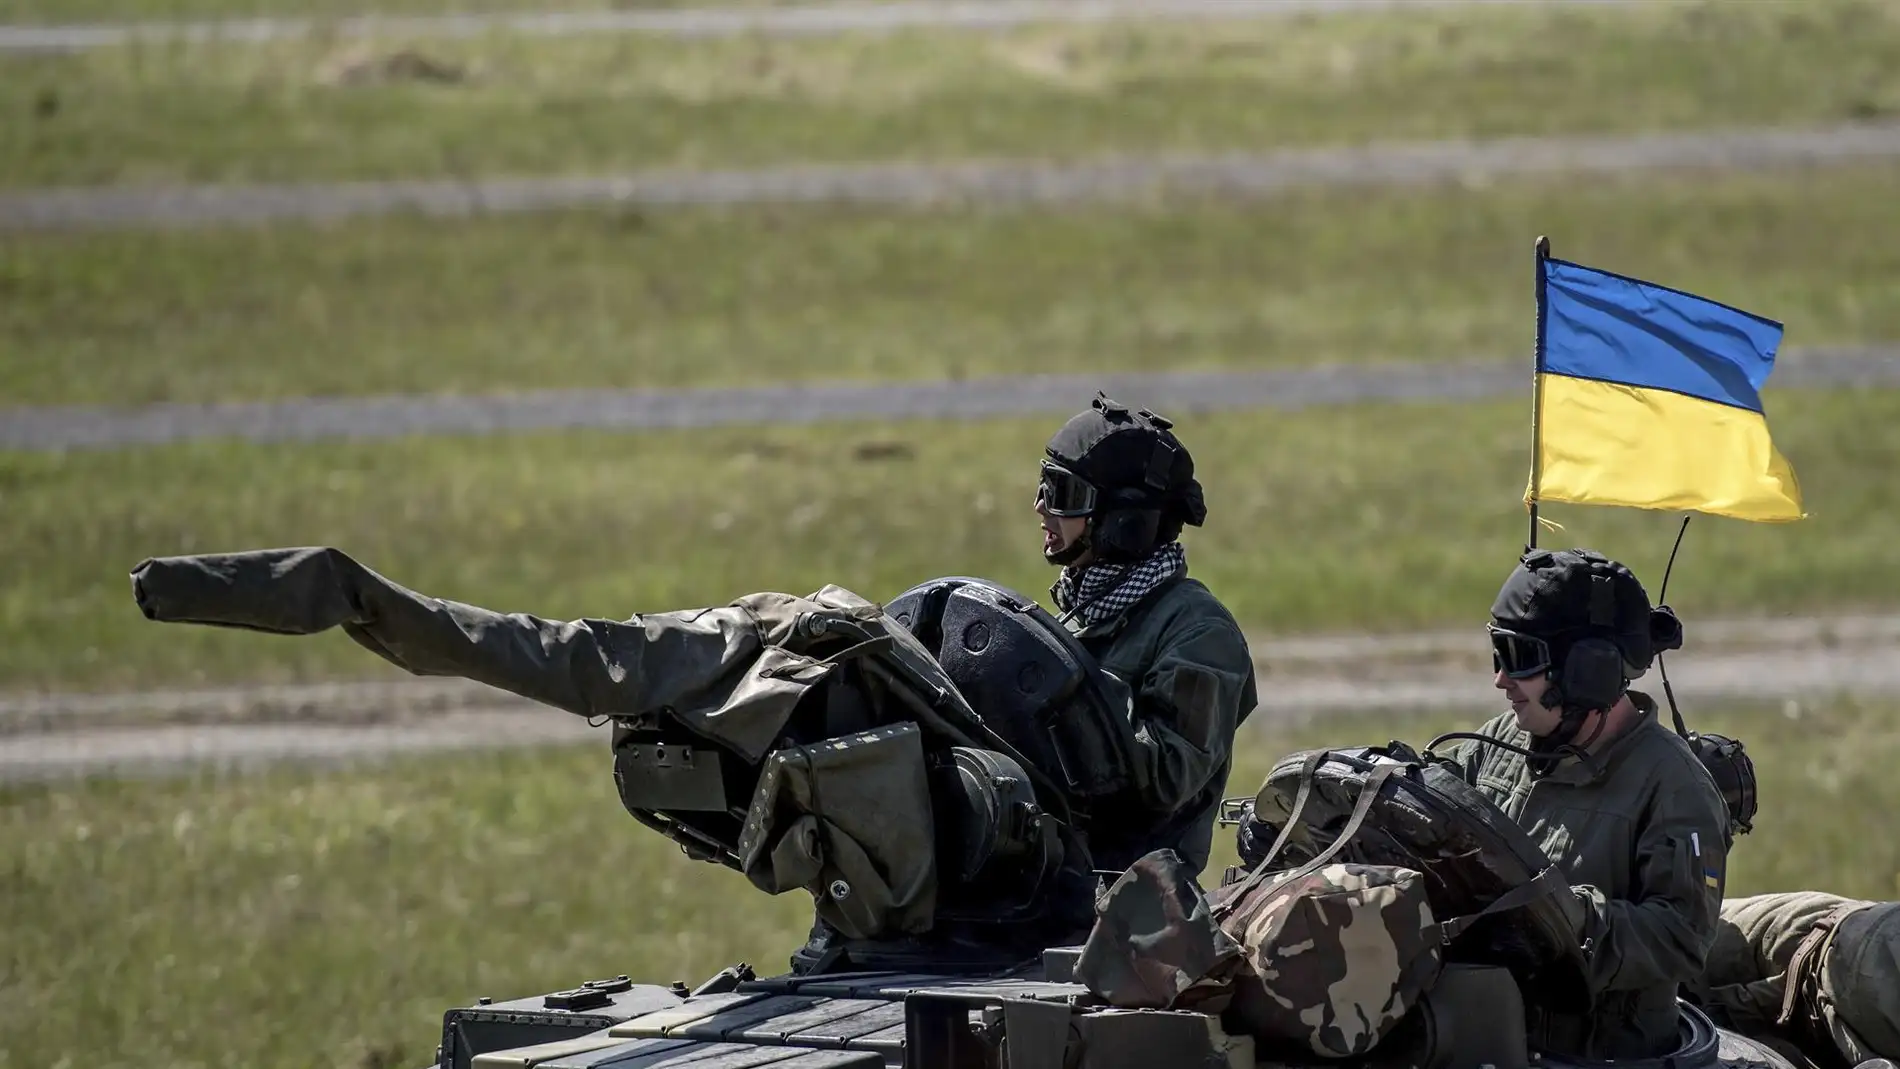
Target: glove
{"x": 1253, "y": 837}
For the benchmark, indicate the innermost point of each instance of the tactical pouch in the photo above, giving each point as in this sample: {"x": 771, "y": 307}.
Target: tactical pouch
{"x": 840, "y": 818}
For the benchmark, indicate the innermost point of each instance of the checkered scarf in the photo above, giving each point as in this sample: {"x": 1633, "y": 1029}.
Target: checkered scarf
{"x": 1098, "y": 592}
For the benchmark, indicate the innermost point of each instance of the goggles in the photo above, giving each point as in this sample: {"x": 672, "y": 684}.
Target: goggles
{"x": 1518, "y": 655}
{"x": 1064, "y": 493}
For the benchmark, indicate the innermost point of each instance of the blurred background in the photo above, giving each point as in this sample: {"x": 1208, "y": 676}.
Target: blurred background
{"x": 604, "y": 308}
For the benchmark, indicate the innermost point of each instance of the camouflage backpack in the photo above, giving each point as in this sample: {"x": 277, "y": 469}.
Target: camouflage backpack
{"x": 1325, "y": 958}
{"x": 1337, "y": 954}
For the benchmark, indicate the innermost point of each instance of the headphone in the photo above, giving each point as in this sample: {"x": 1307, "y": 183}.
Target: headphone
{"x": 1594, "y": 674}
{"x": 1127, "y": 528}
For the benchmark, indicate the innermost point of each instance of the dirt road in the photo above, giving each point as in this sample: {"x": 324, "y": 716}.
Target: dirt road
{"x": 711, "y": 21}
{"x": 1802, "y": 661}
{"x": 306, "y": 419}
{"x": 989, "y": 182}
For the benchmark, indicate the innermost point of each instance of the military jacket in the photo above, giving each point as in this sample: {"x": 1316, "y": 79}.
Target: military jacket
{"x": 1191, "y": 681}
{"x": 1640, "y": 829}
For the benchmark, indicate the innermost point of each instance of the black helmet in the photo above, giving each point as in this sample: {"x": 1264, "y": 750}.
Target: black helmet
{"x": 1126, "y": 471}
{"x": 1583, "y": 621}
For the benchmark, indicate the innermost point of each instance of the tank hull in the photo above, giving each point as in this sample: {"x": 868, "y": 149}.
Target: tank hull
{"x": 1031, "y": 1017}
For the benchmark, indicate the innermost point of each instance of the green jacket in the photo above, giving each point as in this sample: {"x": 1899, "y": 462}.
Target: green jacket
{"x": 1640, "y": 830}
{"x": 1191, "y": 679}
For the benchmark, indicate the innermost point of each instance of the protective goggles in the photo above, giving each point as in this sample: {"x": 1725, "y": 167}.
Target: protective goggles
{"x": 1063, "y": 492}
{"x": 1517, "y": 655}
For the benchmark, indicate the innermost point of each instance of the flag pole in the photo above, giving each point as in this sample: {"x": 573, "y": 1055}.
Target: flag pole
{"x": 1537, "y": 392}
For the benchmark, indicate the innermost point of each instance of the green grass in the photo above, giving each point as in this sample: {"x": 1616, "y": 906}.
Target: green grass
{"x": 1368, "y": 518}
{"x": 298, "y": 918}
{"x": 630, "y": 299}
{"x": 316, "y": 108}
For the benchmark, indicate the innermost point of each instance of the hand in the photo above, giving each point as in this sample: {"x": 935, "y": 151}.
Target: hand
{"x": 1253, "y": 837}
{"x": 1576, "y": 914}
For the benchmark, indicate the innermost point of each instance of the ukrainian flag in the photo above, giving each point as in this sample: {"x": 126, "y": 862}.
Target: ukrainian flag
{"x": 1650, "y": 397}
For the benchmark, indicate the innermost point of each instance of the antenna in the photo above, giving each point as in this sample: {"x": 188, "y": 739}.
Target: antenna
{"x": 1662, "y": 596}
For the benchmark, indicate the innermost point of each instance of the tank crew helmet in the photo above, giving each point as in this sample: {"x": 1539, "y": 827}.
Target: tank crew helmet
{"x": 1124, "y": 470}
{"x": 1583, "y": 622}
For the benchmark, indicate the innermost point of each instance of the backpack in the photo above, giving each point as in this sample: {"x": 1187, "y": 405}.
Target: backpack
{"x": 1324, "y": 959}
{"x": 1491, "y": 886}
{"x": 1336, "y": 954}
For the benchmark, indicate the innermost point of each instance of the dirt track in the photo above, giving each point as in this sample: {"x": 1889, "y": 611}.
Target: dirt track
{"x": 710, "y": 21}
{"x": 305, "y": 419}
{"x": 1797, "y": 660}
{"x": 989, "y": 182}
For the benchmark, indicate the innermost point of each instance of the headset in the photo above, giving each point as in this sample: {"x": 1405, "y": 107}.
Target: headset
{"x": 1594, "y": 674}
{"x": 1130, "y": 526}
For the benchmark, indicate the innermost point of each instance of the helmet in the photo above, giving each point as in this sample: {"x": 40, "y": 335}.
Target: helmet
{"x": 1126, "y": 472}
{"x": 1582, "y": 621}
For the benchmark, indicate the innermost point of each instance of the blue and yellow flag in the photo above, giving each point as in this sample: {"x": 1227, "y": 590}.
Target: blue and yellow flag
{"x": 1650, "y": 397}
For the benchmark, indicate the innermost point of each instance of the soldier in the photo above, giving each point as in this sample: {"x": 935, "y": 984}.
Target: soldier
{"x": 1620, "y": 802}
{"x": 1809, "y": 969}
{"x": 1117, "y": 486}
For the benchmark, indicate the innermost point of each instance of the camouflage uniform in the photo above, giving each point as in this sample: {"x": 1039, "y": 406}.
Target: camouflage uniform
{"x": 1849, "y": 980}
{"x": 1640, "y": 830}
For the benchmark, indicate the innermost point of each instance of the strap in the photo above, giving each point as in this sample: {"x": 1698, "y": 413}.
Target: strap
{"x": 1807, "y": 956}
{"x": 856, "y": 649}
{"x": 1368, "y": 794}
{"x": 1309, "y": 769}
{"x": 1309, "y": 772}
{"x": 1549, "y": 881}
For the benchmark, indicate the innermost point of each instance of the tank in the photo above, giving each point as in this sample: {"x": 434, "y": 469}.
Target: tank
{"x": 1029, "y": 1017}
{"x": 946, "y": 775}
{"x": 991, "y": 984}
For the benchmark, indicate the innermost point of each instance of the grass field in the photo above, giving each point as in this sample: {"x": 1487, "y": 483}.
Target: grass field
{"x": 321, "y": 109}
{"x": 703, "y": 297}
{"x": 302, "y": 919}
{"x": 1370, "y": 517}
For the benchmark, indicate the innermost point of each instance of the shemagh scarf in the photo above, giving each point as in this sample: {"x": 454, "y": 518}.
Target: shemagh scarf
{"x": 1093, "y": 593}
